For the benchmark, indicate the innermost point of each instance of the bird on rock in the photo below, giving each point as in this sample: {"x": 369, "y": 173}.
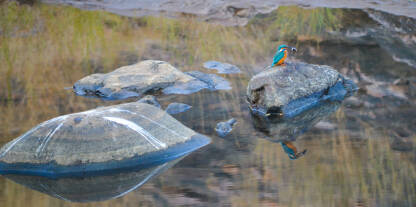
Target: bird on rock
{"x": 281, "y": 54}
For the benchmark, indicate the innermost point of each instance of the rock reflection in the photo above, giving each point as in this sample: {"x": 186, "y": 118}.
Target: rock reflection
{"x": 92, "y": 189}
{"x": 286, "y": 130}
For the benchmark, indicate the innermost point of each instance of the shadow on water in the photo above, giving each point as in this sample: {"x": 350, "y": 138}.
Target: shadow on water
{"x": 364, "y": 158}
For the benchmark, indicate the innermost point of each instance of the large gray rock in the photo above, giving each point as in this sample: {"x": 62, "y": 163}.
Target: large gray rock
{"x": 289, "y": 90}
{"x": 102, "y": 139}
{"x": 132, "y": 80}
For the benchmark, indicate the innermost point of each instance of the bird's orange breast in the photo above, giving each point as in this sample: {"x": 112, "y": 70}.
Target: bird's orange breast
{"x": 281, "y": 61}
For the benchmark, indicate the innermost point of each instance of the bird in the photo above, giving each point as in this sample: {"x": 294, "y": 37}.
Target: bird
{"x": 291, "y": 150}
{"x": 281, "y": 54}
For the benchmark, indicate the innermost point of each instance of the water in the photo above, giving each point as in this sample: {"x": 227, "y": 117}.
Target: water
{"x": 359, "y": 153}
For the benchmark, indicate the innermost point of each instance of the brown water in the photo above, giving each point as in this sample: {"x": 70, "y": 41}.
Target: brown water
{"x": 363, "y": 154}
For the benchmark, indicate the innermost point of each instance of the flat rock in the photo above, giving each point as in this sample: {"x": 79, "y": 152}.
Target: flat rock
{"x": 176, "y": 108}
{"x": 224, "y": 68}
{"x": 291, "y": 89}
{"x": 201, "y": 81}
{"x": 99, "y": 140}
{"x": 131, "y": 81}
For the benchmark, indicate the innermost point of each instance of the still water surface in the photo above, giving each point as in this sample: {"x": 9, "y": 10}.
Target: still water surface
{"x": 359, "y": 153}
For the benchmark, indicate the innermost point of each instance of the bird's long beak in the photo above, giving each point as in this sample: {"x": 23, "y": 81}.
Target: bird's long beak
{"x": 293, "y": 49}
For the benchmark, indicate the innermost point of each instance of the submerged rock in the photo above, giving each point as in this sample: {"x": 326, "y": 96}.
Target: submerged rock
{"x": 99, "y": 140}
{"x": 224, "y": 128}
{"x": 222, "y": 67}
{"x": 202, "y": 80}
{"x": 291, "y": 89}
{"x": 176, "y": 108}
{"x": 93, "y": 188}
{"x": 149, "y": 99}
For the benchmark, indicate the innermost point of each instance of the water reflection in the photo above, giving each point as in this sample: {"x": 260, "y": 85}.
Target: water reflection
{"x": 286, "y": 130}
{"x": 94, "y": 188}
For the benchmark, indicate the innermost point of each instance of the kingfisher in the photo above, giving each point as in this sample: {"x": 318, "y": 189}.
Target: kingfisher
{"x": 281, "y": 54}
{"x": 291, "y": 150}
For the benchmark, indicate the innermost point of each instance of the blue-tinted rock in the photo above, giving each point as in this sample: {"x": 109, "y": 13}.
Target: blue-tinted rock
{"x": 224, "y": 128}
{"x": 213, "y": 81}
{"x": 132, "y": 80}
{"x": 202, "y": 81}
{"x": 176, "y": 108}
{"x": 224, "y": 68}
{"x": 100, "y": 140}
{"x": 149, "y": 99}
{"x": 294, "y": 88}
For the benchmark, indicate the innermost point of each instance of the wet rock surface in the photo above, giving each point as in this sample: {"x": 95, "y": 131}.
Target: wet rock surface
{"x": 201, "y": 81}
{"x": 224, "y": 128}
{"x": 395, "y": 34}
{"x": 131, "y": 81}
{"x": 237, "y": 12}
{"x": 99, "y": 140}
{"x": 146, "y": 77}
{"x": 291, "y": 89}
{"x": 176, "y": 108}
{"x": 149, "y": 99}
{"x": 224, "y": 68}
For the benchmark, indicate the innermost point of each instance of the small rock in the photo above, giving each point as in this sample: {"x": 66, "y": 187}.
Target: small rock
{"x": 224, "y": 128}
{"x": 176, "y": 108}
{"x": 224, "y": 68}
{"x": 149, "y": 99}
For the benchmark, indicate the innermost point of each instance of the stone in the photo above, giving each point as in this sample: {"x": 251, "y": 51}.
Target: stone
{"x": 224, "y": 128}
{"x": 131, "y": 81}
{"x": 103, "y": 139}
{"x": 289, "y": 90}
{"x": 202, "y": 80}
{"x": 224, "y": 68}
{"x": 176, "y": 108}
{"x": 149, "y": 99}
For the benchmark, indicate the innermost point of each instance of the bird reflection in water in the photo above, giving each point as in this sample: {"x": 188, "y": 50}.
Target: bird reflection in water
{"x": 291, "y": 150}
